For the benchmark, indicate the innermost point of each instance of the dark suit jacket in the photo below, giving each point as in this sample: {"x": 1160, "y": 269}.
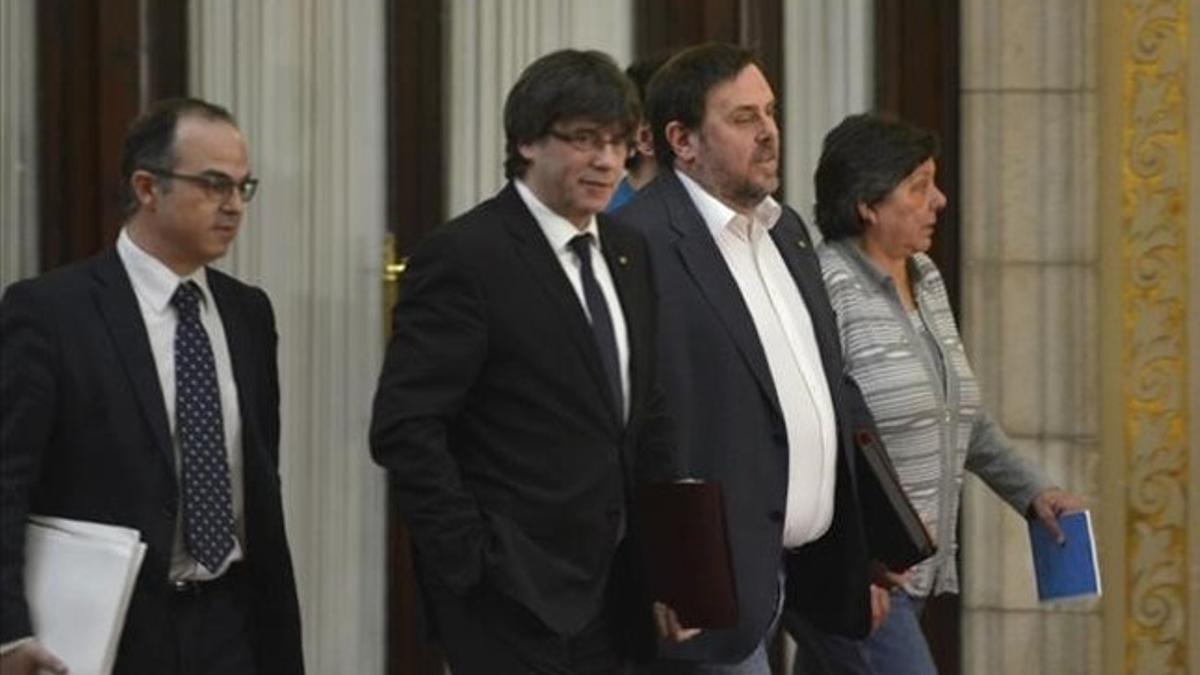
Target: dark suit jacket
{"x": 722, "y": 401}
{"x": 84, "y": 434}
{"x": 510, "y": 463}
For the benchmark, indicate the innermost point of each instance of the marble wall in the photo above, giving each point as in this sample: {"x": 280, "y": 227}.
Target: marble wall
{"x": 1030, "y": 275}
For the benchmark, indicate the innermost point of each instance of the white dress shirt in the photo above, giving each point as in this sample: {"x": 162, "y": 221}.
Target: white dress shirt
{"x": 785, "y": 331}
{"x": 154, "y": 284}
{"x": 559, "y": 232}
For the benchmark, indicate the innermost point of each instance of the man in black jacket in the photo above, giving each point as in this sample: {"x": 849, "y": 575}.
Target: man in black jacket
{"x": 517, "y": 403}
{"x": 749, "y": 358}
{"x": 139, "y": 388}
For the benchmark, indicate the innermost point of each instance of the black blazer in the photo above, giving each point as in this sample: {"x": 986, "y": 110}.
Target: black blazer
{"x": 84, "y": 434}
{"x": 508, "y": 458}
{"x": 722, "y": 401}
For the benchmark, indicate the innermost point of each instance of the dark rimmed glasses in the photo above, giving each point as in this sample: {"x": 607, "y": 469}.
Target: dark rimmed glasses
{"x": 215, "y": 185}
{"x": 591, "y": 140}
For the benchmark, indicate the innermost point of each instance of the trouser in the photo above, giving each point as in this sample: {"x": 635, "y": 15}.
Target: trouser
{"x": 211, "y": 626}
{"x": 487, "y": 633}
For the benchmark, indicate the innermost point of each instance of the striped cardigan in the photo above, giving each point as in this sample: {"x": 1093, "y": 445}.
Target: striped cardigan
{"x": 930, "y": 417}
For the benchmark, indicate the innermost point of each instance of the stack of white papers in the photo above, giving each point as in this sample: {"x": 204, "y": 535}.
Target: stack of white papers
{"x": 79, "y": 577}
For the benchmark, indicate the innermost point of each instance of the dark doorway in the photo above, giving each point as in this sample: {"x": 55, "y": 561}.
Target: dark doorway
{"x": 415, "y": 206}
{"x": 96, "y": 71}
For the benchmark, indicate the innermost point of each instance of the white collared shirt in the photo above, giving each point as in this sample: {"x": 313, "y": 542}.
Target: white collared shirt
{"x": 785, "y": 331}
{"x": 559, "y": 232}
{"x": 154, "y": 284}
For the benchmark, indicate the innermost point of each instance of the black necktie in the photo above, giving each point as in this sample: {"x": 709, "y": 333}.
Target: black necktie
{"x": 204, "y": 482}
{"x": 602, "y": 328}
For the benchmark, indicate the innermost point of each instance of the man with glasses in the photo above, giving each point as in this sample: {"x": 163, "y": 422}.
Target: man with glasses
{"x": 139, "y": 388}
{"x": 517, "y": 405}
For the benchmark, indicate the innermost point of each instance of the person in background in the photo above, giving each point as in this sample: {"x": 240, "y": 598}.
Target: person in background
{"x": 517, "y": 406}
{"x": 140, "y": 388}
{"x": 877, "y": 207}
{"x": 640, "y": 167}
{"x": 750, "y": 360}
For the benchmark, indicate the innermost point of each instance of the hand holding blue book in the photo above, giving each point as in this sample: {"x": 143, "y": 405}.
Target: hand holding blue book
{"x": 1069, "y": 570}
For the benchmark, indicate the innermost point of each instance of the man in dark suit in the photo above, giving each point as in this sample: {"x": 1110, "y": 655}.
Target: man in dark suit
{"x": 517, "y": 406}
{"x": 139, "y": 388}
{"x": 749, "y": 358}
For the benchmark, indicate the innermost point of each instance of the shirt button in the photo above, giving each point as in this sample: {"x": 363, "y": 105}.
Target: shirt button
{"x": 946, "y": 416}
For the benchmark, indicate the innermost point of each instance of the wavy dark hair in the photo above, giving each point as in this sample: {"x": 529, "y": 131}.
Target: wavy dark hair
{"x": 862, "y": 160}
{"x": 564, "y": 85}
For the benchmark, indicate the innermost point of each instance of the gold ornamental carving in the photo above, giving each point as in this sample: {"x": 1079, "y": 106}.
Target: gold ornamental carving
{"x": 1154, "y": 341}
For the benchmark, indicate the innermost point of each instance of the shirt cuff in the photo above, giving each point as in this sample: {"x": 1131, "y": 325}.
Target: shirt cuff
{"x": 14, "y": 645}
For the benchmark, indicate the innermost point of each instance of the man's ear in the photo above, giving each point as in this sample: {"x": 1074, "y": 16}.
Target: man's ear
{"x": 644, "y": 140}
{"x": 142, "y": 183}
{"x": 681, "y": 139}
{"x": 526, "y": 151}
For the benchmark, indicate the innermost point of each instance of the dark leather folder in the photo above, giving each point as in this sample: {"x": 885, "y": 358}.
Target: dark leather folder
{"x": 687, "y": 552}
{"x": 896, "y": 536}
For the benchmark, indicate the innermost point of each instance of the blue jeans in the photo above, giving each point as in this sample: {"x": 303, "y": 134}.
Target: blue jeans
{"x": 898, "y": 647}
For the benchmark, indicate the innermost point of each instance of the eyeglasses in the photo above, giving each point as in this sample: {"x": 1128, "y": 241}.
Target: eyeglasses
{"x": 215, "y": 186}
{"x": 590, "y": 140}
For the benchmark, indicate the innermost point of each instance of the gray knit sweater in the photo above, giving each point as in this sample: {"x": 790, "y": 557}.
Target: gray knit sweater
{"x": 924, "y": 397}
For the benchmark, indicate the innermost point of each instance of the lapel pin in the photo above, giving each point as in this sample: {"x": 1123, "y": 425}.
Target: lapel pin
{"x": 800, "y": 243}
{"x": 622, "y": 261}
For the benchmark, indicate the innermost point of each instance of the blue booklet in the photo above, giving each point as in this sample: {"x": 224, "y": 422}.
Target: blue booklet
{"x": 1070, "y": 570}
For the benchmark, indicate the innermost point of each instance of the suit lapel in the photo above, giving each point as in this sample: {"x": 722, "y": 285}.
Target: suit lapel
{"x": 236, "y": 325}
{"x": 703, "y": 261}
{"x": 791, "y": 238}
{"x": 796, "y": 249}
{"x": 543, "y": 266}
{"x": 119, "y": 308}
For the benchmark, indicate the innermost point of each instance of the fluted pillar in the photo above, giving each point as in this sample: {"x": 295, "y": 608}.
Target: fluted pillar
{"x": 18, "y": 142}
{"x": 306, "y": 81}
{"x": 1030, "y": 318}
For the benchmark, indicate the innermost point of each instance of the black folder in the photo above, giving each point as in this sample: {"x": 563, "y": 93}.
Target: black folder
{"x": 686, "y": 549}
{"x": 896, "y": 537}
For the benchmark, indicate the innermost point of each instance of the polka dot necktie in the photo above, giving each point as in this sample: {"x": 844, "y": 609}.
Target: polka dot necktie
{"x": 204, "y": 482}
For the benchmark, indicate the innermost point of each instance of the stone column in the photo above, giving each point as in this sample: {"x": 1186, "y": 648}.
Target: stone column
{"x": 1030, "y": 309}
{"x": 18, "y": 142}
{"x": 490, "y": 43}
{"x": 306, "y": 80}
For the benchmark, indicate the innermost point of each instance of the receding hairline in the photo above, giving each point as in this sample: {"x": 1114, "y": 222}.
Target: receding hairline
{"x": 186, "y": 123}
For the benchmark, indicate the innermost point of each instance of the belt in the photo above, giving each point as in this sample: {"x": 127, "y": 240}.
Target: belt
{"x": 196, "y": 587}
